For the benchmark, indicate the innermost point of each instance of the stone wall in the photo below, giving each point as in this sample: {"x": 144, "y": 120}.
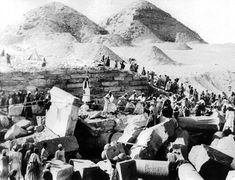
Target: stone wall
{"x": 71, "y": 80}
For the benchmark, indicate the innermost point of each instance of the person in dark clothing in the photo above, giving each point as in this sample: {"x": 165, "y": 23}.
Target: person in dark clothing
{"x": 122, "y": 65}
{"x": 44, "y": 63}
{"x": 107, "y": 62}
{"x": 167, "y": 110}
{"x": 8, "y": 59}
{"x": 27, "y": 106}
{"x": 23, "y": 151}
{"x": 47, "y": 175}
{"x": 143, "y": 72}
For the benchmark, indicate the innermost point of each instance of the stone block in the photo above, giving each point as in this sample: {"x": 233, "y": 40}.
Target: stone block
{"x": 137, "y": 83}
{"x": 110, "y": 83}
{"x": 231, "y": 175}
{"x": 76, "y": 85}
{"x": 38, "y": 82}
{"x": 127, "y": 170}
{"x": 24, "y": 123}
{"x": 119, "y": 78}
{"x": 69, "y": 144}
{"x": 61, "y": 170}
{"x": 226, "y": 145}
{"x": 113, "y": 89}
{"x": 209, "y": 162}
{"x": 150, "y": 140}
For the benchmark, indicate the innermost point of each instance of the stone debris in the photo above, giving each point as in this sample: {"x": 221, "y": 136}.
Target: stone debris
{"x": 150, "y": 140}
{"x": 14, "y": 132}
{"x": 209, "y": 162}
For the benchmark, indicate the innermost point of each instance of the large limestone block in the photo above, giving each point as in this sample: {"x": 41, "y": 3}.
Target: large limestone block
{"x": 61, "y": 171}
{"x": 14, "y": 132}
{"x": 150, "y": 140}
{"x": 87, "y": 169}
{"x": 127, "y": 170}
{"x": 62, "y": 116}
{"x": 226, "y": 145}
{"x": 187, "y": 172}
{"x": 231, "y": 175}
{"x": 209, "y": 162}
{"x": 24, "y": 123}
{"x": 201, "y": 122}
{"x": 15, "y": 110}
{"x": 69, "y": 144}
{"x": 135, "y": 125}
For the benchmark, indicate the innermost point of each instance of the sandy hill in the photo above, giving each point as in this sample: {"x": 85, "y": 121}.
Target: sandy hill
{"x": 143, "y": 21}
{"x": 54, "y": 18}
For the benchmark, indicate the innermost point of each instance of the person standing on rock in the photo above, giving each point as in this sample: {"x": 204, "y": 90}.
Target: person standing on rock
{"x": 4, "y": 161}
{"x": 44, "y": 63}
{"x": 143, "y": 72}
{"x": 122, "y": 65}
{"x": 86, "y": 91}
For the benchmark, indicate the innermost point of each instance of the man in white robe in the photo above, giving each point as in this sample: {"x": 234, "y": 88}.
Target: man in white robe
{"x": 86, "y": 91}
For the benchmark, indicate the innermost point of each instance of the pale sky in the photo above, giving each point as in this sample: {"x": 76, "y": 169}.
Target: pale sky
{"x": 213, "y": 20}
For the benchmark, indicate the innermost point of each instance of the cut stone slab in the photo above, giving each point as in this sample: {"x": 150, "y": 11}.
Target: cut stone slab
{"x": 226, "y": 145}
{"x": 231, "y": 175}
{"x": 87, "y": 169}
{"x": 16, "y": 119}
{"x": 69, "y": 144}
{"x": 127, "y": 170}
{"x": 135, "y": 125}
{"x": 216, "y": 137}
{"x": 201, "y": 122}
{"x": 150, "y": 140}
{"x": 209, "y": 162}
{"x": 24, "y": 123}
{"x": 62, "y": 116}
{"x": 14, "y": 132}
{"x": 60, "y": 170}
{"x": 15, "y": 110}
{"x": 150, "y": 169}
{"x": 186, "y": 172}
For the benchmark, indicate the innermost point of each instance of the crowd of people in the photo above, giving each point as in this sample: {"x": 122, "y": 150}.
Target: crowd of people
{"x": 177, "y": 101}
{"x": 28, "y": 99}
{"x": 28, "y": 163}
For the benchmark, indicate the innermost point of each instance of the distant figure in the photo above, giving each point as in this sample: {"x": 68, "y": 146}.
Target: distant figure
{"x": 8, "y": 59}
{"x": 3, "y": 53}
{"x": 122, "y": 65}
{"x": 47, "y": 175}
{"x": 4, "y": 161}
{"x": 27, "y": 106}
{"x": 107, "y": 62}
{"x": 86, "y": 91}
{"x": 116, "y": 64}
{"x": 59, "y": 154}
{"x": 44, "y": 63}
{"x": 143, "y": 72}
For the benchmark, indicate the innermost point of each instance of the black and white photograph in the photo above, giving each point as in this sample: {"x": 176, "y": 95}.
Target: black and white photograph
{"x": 117, "y": 90}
